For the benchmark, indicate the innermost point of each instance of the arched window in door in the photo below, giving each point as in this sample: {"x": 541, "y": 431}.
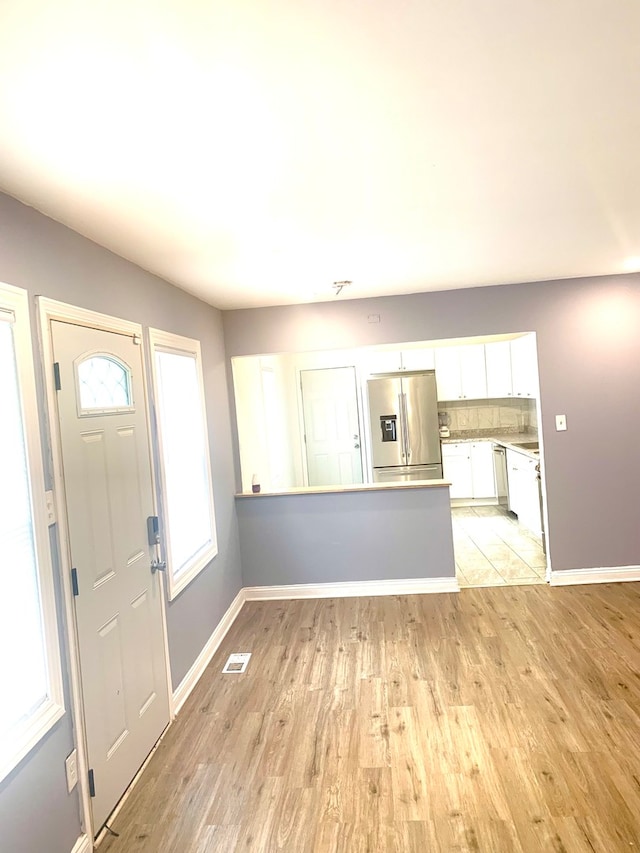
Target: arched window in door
{"x": 104, "y": 385}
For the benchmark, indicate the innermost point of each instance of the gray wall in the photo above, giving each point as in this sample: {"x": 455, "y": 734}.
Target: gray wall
{"x": 346, "y": 536}
{"x": 45, "y": 258}
{"x": 589, "y": 363}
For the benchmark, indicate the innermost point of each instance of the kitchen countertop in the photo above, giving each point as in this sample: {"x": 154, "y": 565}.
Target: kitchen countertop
{"x": 358, "y": 487}
{"x": 508, "y": 440}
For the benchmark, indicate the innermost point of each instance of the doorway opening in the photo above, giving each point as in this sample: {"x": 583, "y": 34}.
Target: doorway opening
{"x": 492, "y": 549}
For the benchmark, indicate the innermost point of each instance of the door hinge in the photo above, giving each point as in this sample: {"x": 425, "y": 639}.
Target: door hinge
{"x": 56, "y": 375}
{"x": 74, "y": 582}
{"x": 92, "y": 784}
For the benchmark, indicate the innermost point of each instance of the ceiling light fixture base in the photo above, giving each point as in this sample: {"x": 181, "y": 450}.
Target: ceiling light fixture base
{"x": 339, "y": 286}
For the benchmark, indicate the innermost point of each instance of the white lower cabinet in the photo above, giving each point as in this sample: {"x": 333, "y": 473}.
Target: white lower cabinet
{"x": 468, "y": 465}
{"x": 482, "y": 472}
{"x": 456, "y": 467}
{"x": 524, "y": 495}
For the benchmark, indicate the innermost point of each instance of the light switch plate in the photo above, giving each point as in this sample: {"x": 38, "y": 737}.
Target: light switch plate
{"x": 561, "y": 422}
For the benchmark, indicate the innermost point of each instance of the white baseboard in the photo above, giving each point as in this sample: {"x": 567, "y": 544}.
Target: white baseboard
{"x": 82, "y": 845}
{"x": 348, "y": 589}
{"x": 610, "y": 574}
{"x": 192, "y": 677}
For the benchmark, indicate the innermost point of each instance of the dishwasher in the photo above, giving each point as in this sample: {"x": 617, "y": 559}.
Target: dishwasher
{"x": 500, "y": 471}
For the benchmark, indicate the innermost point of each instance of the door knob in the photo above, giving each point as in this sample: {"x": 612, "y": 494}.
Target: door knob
{"x": 356, "y": 445}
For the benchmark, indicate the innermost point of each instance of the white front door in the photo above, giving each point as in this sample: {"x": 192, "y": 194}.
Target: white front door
{"x": 331, "y": 426}
{"x": 109, "y": 495}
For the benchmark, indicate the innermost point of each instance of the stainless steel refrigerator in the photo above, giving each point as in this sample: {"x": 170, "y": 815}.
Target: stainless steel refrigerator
{"x": 405, "y": 442}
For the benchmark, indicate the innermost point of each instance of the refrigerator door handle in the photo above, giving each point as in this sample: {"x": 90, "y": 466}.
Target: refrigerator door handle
{"x": 403, "y": 436}
{"x": 405, "y": 419}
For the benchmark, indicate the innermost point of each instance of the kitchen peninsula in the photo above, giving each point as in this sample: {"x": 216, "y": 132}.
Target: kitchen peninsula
{"x": 395, "y": 537}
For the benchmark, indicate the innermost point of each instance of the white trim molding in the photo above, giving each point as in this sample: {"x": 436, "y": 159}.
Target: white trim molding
{"x": 82, "y": 845}
{"x": 350, "y": 589}
{"x": 203, "y": 660}
{"x": 52, "y": 309}
{"x": 609, "y": 574}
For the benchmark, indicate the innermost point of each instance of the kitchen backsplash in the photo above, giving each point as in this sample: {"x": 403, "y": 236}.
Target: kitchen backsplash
{"x": 484, "y": 417}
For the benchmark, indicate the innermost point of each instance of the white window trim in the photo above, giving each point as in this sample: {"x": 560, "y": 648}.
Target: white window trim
{"x": 169, "y": 342}
{"x": 26, "y": 736}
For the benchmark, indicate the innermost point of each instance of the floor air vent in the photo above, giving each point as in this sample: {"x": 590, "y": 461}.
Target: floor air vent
{"x": 237, "y": 662}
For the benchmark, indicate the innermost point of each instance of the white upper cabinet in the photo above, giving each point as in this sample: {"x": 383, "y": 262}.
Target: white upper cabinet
{"x": 392, "y": 360}
{"x": 418, "y": 359}
{"x": 461, "y": 373}
{"x": 448, "y": 379}
{"x": 524, "y": 366}
{"x": 498, "y": 359}
{"x": 473, "y": 374}
{"x": 381, "y": 361}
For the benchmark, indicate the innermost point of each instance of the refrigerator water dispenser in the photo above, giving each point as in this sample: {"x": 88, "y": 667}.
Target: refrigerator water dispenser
{"x": 388, "y": 427}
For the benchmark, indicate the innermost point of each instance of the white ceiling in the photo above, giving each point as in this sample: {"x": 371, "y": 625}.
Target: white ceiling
{"x": 254, "y": 151}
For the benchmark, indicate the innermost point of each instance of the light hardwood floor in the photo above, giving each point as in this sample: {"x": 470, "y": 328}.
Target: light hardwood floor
{"x": 501, "y": 720}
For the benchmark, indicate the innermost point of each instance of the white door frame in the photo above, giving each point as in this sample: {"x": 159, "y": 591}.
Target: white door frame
{"x": 48, "y": 310}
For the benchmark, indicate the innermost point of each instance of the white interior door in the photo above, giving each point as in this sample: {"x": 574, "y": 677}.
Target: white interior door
{"x": 331, "y": 425}
{"x": 109, "y": 495}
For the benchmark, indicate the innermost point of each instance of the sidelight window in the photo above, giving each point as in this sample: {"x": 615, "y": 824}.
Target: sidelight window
{"x": 185, "y": 470}
{"x": 29, "y": 653}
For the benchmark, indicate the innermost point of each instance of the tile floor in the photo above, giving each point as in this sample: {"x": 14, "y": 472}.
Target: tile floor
{"x": 491, "y": 549}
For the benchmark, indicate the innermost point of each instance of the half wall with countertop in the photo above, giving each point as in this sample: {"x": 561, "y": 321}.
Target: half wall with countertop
{"x": 330, "y": 538}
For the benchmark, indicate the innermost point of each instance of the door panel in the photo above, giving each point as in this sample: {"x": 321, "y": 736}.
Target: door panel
{"x": 332, "y": 426}
{"x": 109, "y": 495}
{"x": 387, "y": 425}
{"x": 422, "y": 418}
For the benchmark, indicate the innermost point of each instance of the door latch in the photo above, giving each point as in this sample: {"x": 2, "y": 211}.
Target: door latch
{"x": 153, "y": 535}
{"x": 153, "y": 530}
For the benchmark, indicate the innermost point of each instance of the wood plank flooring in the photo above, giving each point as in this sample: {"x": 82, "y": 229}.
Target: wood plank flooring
{"x": 501, "y": 720}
